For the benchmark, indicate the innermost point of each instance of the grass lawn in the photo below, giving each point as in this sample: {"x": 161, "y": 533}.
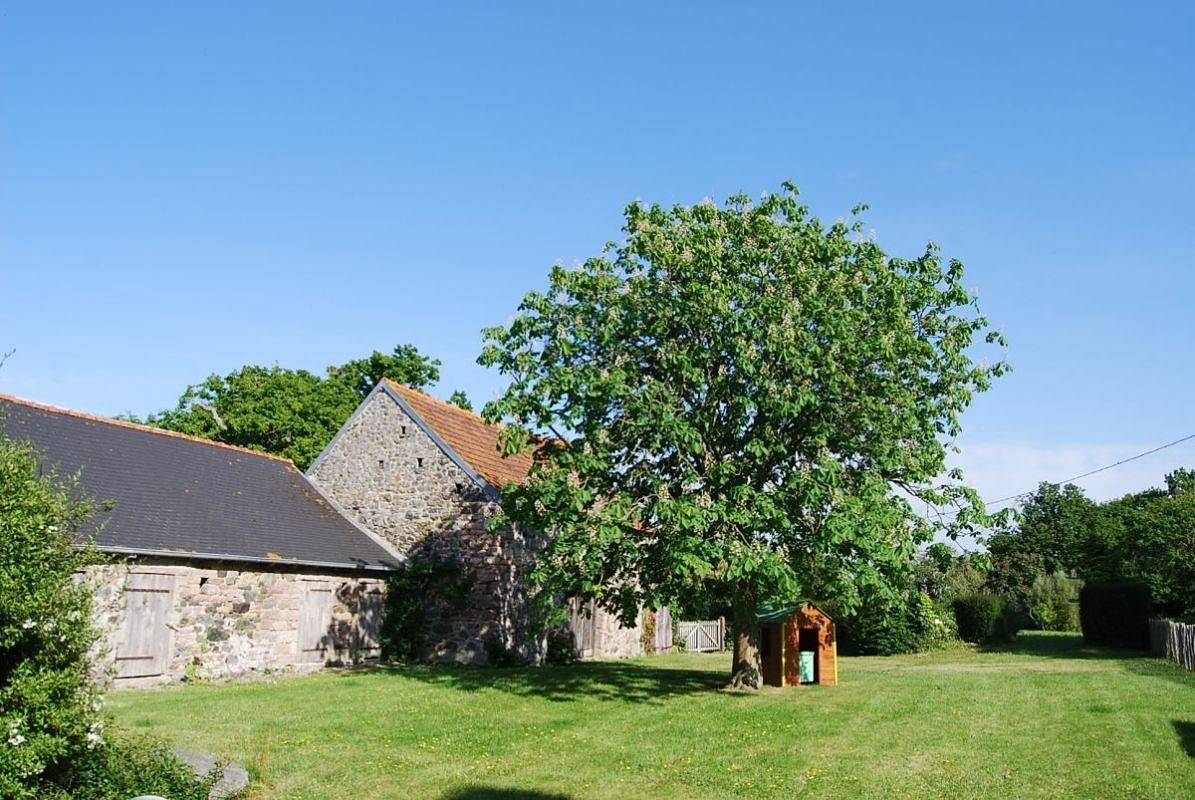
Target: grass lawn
{"x": 1044, "y": 718}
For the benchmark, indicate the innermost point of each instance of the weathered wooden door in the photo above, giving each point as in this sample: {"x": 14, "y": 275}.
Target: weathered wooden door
{"x": 145, "y": 640}
{"x": 663, "y": 629}
{"x": 369, "y": 617}
{"x": 315, "y": 616}
{"x": 583, "y": 625}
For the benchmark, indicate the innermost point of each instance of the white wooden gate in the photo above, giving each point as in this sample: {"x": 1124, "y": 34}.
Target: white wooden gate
{"x": 315, "y": 615}
{"x": 145, "y": 641}
{"x": 702, "y": 636}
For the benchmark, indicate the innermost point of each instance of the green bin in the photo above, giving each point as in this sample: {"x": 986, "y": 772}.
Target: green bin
{"x": 806, "y": 665}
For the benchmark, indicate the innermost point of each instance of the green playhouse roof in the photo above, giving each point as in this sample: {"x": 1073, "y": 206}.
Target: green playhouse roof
{"x": 768, "y": 614}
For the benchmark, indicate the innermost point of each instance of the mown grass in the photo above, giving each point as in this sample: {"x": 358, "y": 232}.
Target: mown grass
{"x": 1044, "y": 718}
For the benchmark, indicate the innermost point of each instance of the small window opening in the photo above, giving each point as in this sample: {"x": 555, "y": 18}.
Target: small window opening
{"x": 202, "y": 581}
{"x": 404, "y": 430}
{"x": 381, "y": 463}
{"x": 419, "y": 463}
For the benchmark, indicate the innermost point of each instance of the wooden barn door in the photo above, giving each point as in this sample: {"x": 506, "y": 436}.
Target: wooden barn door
{"x": 663, "y": 629}
{"x": 315, "y": 615}
{"x": 369, "y": 622}
{"x": 583, "y": 625}
{"x": 144, "y": 649}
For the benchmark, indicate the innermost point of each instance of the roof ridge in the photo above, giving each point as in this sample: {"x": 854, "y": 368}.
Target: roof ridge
{"x": 473, "y": 415}
{"x": 120, "y": 423}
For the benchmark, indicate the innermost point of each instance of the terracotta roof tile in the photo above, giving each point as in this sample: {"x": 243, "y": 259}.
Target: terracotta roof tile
{"x": 473, "y": 439}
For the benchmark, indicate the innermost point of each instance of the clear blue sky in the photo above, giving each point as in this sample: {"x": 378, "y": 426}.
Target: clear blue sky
{"x": 183, "y": 191}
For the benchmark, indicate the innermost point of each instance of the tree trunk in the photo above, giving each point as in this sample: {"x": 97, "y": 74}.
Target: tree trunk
{"x": 744, "y": 666}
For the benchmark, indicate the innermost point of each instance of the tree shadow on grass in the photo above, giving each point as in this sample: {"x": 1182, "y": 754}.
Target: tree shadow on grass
{"x": 499, "y": 793}
{"x": 1071, "y": 645}
{"x": 1049, "y": 644}
{"x": 1186, "y": 735}
{"x": 592, "y": 680}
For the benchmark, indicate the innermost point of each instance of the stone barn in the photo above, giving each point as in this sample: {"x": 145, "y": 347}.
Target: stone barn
{"x": 229, "y": 561}
{"x": 426, "y": 476}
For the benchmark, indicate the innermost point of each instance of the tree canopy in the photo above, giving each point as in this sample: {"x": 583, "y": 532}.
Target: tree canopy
{"x": 461, "y": 400}
{"x": 289, "y": 412}
{"x": 749, "y": 403}
{"x": 1147, "y": 537}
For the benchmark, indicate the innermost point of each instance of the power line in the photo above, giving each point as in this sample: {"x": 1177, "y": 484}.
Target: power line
{"x": 1095, "y": 471}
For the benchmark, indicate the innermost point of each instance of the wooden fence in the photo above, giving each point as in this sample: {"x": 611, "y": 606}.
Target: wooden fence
{"x": 702, "y": 636}
{"x": 1172, "y": 640}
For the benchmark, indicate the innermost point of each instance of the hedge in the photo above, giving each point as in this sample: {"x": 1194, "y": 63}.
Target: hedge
{"x": 1115, "y": 614}
{"x": 984, "y": 618}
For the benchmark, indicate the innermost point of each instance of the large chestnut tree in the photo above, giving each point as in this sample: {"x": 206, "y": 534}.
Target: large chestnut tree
{"x": 748, "y": 406}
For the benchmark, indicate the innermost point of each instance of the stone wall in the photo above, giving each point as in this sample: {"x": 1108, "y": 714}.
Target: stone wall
{"x": 229, "y": 620}
{"x": 615, "y": 641}
{"x": 392, "y": 478}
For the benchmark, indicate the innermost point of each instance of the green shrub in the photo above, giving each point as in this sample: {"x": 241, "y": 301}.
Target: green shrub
{"x": 127, "y": 767}
{"x": 52, "y": 738}
{"x": 423, "y": 582}
{"x": 933, "y": 626}
{"x": 876, "y": 631}
{"x": 1115, "y": 614}
{"x": 889, "y": 627}
{"x": 49, "y": 707}
{"x": 984, "y": 618}
{"x": 561, "y": 648}
{"x": 1053, "y": 602}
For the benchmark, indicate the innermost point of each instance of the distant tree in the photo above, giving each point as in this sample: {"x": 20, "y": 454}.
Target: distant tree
{"x": 1146, "y": 536}
{"x": 291, "y": 413}
{"x": 406, "y": 365}
{"x": 287, "y": 412}
{"x": 1156, "y": 546}
{"x": 1181, "y": 481}
{"x": 942, "y": 574}
{"x": 749, "y": 399}
{"x": 461, "y": 400}
{"x": 1058, "y": 529}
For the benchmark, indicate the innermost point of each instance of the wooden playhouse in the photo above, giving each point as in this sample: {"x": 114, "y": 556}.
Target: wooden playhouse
{"x": 797, "y": 645}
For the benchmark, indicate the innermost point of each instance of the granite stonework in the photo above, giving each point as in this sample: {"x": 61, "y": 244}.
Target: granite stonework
{"x": 231, "y": 620}
{"x": 393, "y": 478}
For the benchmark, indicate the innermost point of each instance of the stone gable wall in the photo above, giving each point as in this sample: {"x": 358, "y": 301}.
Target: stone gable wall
{"x": 392, "y": 478}
{"x": 230, "y": 620}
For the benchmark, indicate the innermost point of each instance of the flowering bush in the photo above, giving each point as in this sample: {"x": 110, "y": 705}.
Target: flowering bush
{"x": 49, "y": 707}
{"x": 52, "y": 738}
{"x": 933, "y": 627}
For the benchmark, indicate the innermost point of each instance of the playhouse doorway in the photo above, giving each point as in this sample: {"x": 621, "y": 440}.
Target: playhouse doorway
{"x": 808, "y": 665}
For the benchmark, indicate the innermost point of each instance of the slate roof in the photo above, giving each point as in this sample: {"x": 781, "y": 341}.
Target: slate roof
{"x": 470, "y": 436}
{"x": 178, "y": 495}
